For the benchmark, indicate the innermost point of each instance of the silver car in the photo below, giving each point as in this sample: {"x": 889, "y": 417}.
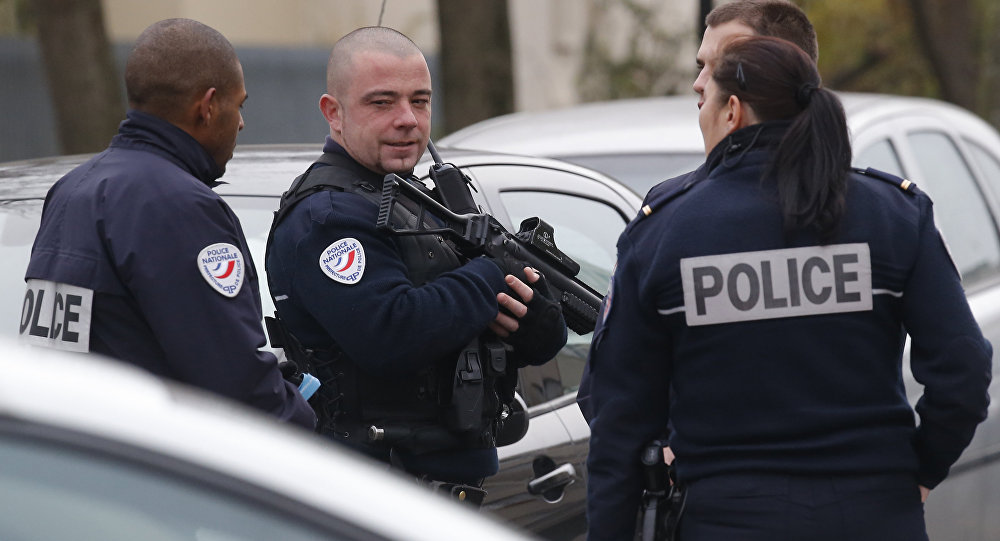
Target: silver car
{"x": 950, "y": 153}
{"x": 92, "y": 449}
{"x": 541, "y": 485}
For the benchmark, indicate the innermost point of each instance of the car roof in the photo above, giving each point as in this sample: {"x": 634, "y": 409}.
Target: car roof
{"x": 261, "y": 169}
{"x": 268, "y": 170}
{"x": 32, "y": 178}
{"x": 864, "y": 109}
{"x": 653, "y": 125}
{"x": 638, "y": 125}
{"x": 630, "y": 126}
{"x": 115, "y": 401}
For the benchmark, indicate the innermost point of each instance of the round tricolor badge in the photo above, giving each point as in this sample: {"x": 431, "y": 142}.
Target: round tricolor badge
{"x": 222, "y": 267}
{"x": 343, "y": 261}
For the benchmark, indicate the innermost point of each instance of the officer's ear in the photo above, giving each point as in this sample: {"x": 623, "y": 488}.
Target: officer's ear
{"x": 331, "y": 109}
{"x": 738, "y": 115}
{"x": 205, "y": 106}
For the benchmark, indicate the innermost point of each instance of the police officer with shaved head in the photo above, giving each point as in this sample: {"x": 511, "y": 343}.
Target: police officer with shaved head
{"x": 762, "y": 308}
{"x": 417, "y": 359}
{"x": 137, "y": 258}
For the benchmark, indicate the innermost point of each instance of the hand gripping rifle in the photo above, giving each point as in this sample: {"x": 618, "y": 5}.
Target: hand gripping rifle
{"x": 476, "y": 233}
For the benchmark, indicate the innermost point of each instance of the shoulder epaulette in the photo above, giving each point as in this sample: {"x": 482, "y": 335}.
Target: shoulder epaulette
{"x": 898, "y": 182}
{"x": 672, "y": 189}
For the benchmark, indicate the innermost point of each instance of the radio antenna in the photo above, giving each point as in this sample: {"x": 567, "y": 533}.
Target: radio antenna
{"x": 381, "y": 13}
{"x": 434, "y": 152}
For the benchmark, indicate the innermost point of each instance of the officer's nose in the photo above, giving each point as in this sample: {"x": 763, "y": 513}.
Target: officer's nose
{"x": 699, "y": 83}
{"x": 406, "y": 117}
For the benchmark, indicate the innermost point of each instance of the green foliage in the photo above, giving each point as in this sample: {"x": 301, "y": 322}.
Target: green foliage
{"x": 870, "y": 46}
{"x": 988, "y": 92}
{"x": 647, "y": 67}
{"x": 16, "y": 18}
{"x": 875, "y": 46}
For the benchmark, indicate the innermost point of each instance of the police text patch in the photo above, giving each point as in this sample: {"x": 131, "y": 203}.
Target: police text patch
{"x": 222, "y": 266}
{"x": 343, "y": 261}
{"x": 56, "y": 315}
{"x": 770, "y": 284}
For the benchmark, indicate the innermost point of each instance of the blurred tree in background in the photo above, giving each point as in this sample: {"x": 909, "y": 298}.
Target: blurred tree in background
{"x": 946, "y": 49}
{"x": 648, "y": 64}
{"x": 476, "y": 66}
{"x": 83, "y": 80}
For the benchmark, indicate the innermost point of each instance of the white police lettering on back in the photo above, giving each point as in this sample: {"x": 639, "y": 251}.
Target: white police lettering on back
{"x": 56, "y": 315}
{"x": 777, "y": 283}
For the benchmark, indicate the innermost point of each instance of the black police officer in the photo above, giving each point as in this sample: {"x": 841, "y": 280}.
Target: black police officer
{"x": 137, "y": 255}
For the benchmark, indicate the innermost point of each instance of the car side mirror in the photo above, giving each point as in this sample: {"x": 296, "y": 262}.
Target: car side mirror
{"x": 515, "y": 426}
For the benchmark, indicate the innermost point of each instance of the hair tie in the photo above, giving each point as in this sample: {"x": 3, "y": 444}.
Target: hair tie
{"x": 804, "y": 95}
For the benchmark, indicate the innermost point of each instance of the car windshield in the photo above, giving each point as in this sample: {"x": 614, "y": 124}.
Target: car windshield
{"x": 255, "y": 214}
{"x": 640, "y": 172}
{"x": 18, "y": 223}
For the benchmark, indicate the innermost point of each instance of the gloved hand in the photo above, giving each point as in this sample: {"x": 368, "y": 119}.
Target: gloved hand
{"x": 542, "y": 330}
{"x": 290, "y": 371}
{"x": 306, "y": 383}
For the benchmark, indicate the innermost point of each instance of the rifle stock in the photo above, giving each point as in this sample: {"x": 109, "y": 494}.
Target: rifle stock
{"x": 481, "y": 234}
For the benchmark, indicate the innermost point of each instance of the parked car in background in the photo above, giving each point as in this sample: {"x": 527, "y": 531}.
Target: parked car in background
{"x": 541, "y": 485}
{"x": 92, "y": 449}
{"x": 947, "y": 151}
{"x": 639, "y": 142}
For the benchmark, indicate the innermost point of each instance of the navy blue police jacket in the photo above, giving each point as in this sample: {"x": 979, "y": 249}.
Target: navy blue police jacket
{"x": 769, "y": 355}
{"x": 668, "y": 186}
{"x": 136, "y": 245}
{"x": 383, "y": 322}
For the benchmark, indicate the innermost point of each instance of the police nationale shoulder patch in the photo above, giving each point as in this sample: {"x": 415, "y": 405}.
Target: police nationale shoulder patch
{"x": 222, "y": 266}
{"x": 343, "y": 261}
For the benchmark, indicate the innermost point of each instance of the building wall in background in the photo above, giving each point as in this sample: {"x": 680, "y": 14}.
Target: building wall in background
{"x": 278, "y": 23}
{"x": 284, "y": 45}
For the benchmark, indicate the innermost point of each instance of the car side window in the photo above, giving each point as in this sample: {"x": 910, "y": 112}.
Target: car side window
{"x": 52, "y": 491}
{"x": 988, "y": 165}
{"x": 587, "y": 230}
{"x": 640, "y": 172}
{"x": 959, "y": 208}
{"x": 880, "y": 155}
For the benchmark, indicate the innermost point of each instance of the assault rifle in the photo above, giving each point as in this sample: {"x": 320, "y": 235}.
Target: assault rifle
{"x": 481, "y": 234}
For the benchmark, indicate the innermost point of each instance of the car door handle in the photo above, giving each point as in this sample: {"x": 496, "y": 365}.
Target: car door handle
{"x": 559, "y": 477}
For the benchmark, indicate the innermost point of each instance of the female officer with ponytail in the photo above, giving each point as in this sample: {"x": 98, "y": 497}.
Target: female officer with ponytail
{"x": 763, "y": 310}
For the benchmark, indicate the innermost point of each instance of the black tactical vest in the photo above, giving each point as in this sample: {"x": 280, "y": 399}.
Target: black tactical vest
{"x": 452, "y": 404}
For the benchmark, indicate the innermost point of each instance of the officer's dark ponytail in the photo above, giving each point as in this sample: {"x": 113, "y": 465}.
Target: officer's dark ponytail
{"x": 811, "y": 164}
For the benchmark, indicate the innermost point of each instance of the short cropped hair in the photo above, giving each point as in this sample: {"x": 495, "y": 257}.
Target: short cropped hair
{"x": 176, "y": 60}
{"x": 368, "y": 38}
{"x": 775, "y": 18}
